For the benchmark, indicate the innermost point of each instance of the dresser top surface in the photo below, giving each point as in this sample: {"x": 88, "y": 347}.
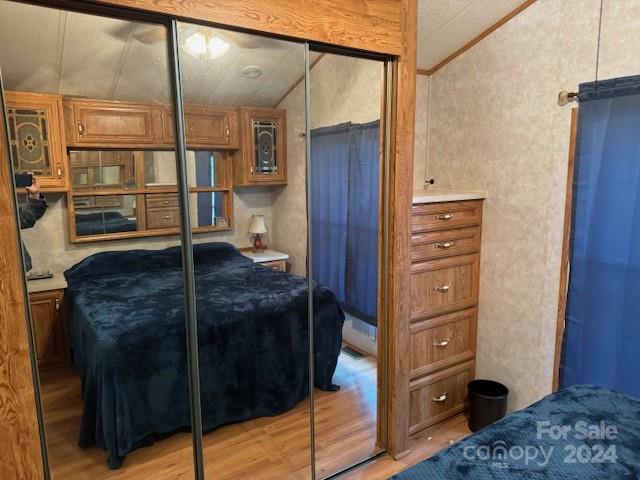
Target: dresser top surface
{"x": 437, "y": 195}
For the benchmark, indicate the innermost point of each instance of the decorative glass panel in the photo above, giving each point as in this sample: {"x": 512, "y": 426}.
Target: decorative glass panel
{"x": 264, "y": 135}
{"x": 29, "y": 137}
{"x": 103, "y": 214}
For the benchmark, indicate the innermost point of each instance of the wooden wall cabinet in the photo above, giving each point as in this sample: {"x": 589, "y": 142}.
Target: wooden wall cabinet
{"x": 206, "y": 127}
{"x": 36, "y": 137}
{"x": 262, "y": 159}
{"x": 445, "y": 278}
{"x": 49, "y": 328}
{"x": 101, "y": 123}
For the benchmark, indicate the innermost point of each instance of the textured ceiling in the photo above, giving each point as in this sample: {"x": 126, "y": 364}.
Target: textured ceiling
{"x": 444, "y": 26}
{"x": 97, "y": 57}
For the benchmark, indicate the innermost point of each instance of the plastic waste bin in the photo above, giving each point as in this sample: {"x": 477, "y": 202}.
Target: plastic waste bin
{"x": 487, "y": 403}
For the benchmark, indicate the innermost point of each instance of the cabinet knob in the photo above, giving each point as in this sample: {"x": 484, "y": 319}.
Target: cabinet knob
{"x": 443, "y": 344}
{"x": 228, "y": 132}
{"x": 441, "y": 399}
{"x": 57, "y": 304}
{"x": 444, "y": 246}
{"x": 442, "y": 289}
{"x": 444, "y": 216}
{"x": 59, "y": 173}
{"x": 80, "y": 128}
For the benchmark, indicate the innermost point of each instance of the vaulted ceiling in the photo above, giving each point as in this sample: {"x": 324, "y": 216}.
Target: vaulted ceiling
{"x": 97, "y": 57}
{"x": 445, "y": 26}
{"x": 48, "y": 50}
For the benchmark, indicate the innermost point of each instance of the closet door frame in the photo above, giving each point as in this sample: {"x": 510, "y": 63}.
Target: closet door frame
{"x": 385, "y": 27}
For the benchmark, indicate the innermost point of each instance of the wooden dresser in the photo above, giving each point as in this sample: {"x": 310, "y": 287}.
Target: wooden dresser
{"x": 445, "y": 275}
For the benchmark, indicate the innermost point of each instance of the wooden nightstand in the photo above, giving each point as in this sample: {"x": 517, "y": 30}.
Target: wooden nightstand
{"x": 268, "y": 258}
{"x": 48, "y": 317}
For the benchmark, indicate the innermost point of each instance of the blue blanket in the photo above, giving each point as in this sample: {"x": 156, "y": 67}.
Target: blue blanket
{"x": 127, "y": 332}
{"x": 582, "y": 433}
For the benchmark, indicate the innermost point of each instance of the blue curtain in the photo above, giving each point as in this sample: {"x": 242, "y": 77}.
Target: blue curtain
{"x": 204, "y": 172}
{"x": 344, "y": 214}
{"x": 602, "y": 337}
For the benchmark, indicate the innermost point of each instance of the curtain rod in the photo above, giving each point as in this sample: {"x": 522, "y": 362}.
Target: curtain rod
{"x": 564, "y": 97}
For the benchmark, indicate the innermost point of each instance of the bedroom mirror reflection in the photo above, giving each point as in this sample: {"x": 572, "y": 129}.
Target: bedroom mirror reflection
{"x": 244, "y": 103}
{"x": 87, "y": 103}
{"x": 346, "y": 173}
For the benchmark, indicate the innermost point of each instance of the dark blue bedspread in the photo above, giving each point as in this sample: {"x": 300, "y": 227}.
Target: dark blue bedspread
{"x": 520, "y": 447}
{"x": 127, "y": 332}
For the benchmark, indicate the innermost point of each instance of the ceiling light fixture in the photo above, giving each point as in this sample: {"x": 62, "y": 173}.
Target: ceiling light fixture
{"x": 217, "y": 47}
{"x": 196, "y": 44}
{"x": 200, "y": 42}
{"x": 252, "y": 71}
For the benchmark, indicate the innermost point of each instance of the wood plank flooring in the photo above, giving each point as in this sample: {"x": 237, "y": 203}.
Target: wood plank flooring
{"x": 266, "y": 448}
{"x": 263, "y": 448}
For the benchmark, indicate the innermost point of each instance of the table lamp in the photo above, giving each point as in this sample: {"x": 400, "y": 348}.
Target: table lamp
{"x": 257, "y": 228}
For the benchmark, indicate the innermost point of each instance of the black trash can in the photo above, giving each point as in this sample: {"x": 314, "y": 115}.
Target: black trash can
{"x": 487, "y": 403}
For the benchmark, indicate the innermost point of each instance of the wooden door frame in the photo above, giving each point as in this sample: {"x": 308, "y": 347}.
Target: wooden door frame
{"x": 566, "y": 247}
{"x": 386, "y": 27}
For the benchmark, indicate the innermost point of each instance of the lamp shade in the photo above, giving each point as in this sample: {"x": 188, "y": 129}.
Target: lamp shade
{"x": 257, "y": 226}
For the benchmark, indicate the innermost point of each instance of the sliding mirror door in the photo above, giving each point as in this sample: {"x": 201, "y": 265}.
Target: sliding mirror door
{"x": 244, "y": 117}
{"x": 345, "y": 179}
{"x": 87, "y": 102}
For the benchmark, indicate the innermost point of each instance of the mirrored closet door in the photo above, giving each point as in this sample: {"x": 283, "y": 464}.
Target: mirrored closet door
{"x": 244, "y": 117}
{"x": 88, "y": 98}
{"x": 345, "y": 249}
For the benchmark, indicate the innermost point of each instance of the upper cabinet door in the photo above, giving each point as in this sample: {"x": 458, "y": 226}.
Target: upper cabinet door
{"x": 35, "y": 134}
{"x": 98, "y": 123}
{"x": 211, "y": 127}
{"x": 263, "y": 159}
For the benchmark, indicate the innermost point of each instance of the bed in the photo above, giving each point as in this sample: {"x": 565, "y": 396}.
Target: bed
{"x": 499, "y": 451}
{"x": 103, "y": 222}
{"x": 126, "y": 326}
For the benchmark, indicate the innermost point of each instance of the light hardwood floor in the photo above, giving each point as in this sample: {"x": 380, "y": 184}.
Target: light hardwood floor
{"x": 266, "y": 448}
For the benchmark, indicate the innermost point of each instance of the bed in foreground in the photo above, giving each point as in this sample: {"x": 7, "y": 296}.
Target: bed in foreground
{"x": 582, "y": 432}
{"x": 127, "y": 332}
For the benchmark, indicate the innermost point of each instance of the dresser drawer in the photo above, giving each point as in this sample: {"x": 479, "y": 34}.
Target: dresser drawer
{"x": 439, "y": 396}
{"x": 161, "y": 200}
{"x": 445, "y": 243}
{"x": 446, "y": 215}
{"x": 443, "y": 286}
{"x": 442, "y": 342}
{"x": 163, "y": 218}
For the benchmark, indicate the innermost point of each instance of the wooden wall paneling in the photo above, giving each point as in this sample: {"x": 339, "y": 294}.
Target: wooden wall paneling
{"x": 566, "y": 245}
{"x": 372, "y": 25}
{"x": 401, "y": 183}
{"x": 20, "y": 450}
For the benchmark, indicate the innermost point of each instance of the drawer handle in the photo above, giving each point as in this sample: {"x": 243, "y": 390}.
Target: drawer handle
{"x": 80, "y": 128}
{"x": 446, "y": 216}
{"x": 166, "y": 217}
{"x": 166, "y": 202}
{"x": 442, "y": 289}
{"x": 443, "y": 344}
{"x": 57, "y": 304}
{"x": 441, "y": 399}
{"x": 444, "y": 246}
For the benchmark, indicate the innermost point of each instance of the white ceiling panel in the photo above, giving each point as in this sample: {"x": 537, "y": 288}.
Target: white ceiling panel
{"x": 97, "y": 57}
{"x": 444, "y": 26}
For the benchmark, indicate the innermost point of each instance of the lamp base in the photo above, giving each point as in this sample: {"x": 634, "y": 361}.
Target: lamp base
{"x": 257, "y": 244}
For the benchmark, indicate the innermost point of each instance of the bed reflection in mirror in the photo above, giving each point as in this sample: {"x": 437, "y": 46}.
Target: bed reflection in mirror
{"x": 104, "y": 214}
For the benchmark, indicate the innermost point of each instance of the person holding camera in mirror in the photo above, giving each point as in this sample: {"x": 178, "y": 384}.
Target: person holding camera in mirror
{"x": 31, "y": 211}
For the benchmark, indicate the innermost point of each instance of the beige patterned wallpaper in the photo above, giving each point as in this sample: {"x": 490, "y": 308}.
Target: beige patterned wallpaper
{"x": 495, "y": 125}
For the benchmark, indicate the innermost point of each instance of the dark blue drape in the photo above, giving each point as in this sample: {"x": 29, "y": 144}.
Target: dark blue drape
{"x": 204, "y": 171}
{"x": 345, "y": 163}
{"x": 602, "y": 338}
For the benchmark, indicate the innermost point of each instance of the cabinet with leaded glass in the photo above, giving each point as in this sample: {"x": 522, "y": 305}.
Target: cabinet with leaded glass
{"x": 35, "y": 135}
